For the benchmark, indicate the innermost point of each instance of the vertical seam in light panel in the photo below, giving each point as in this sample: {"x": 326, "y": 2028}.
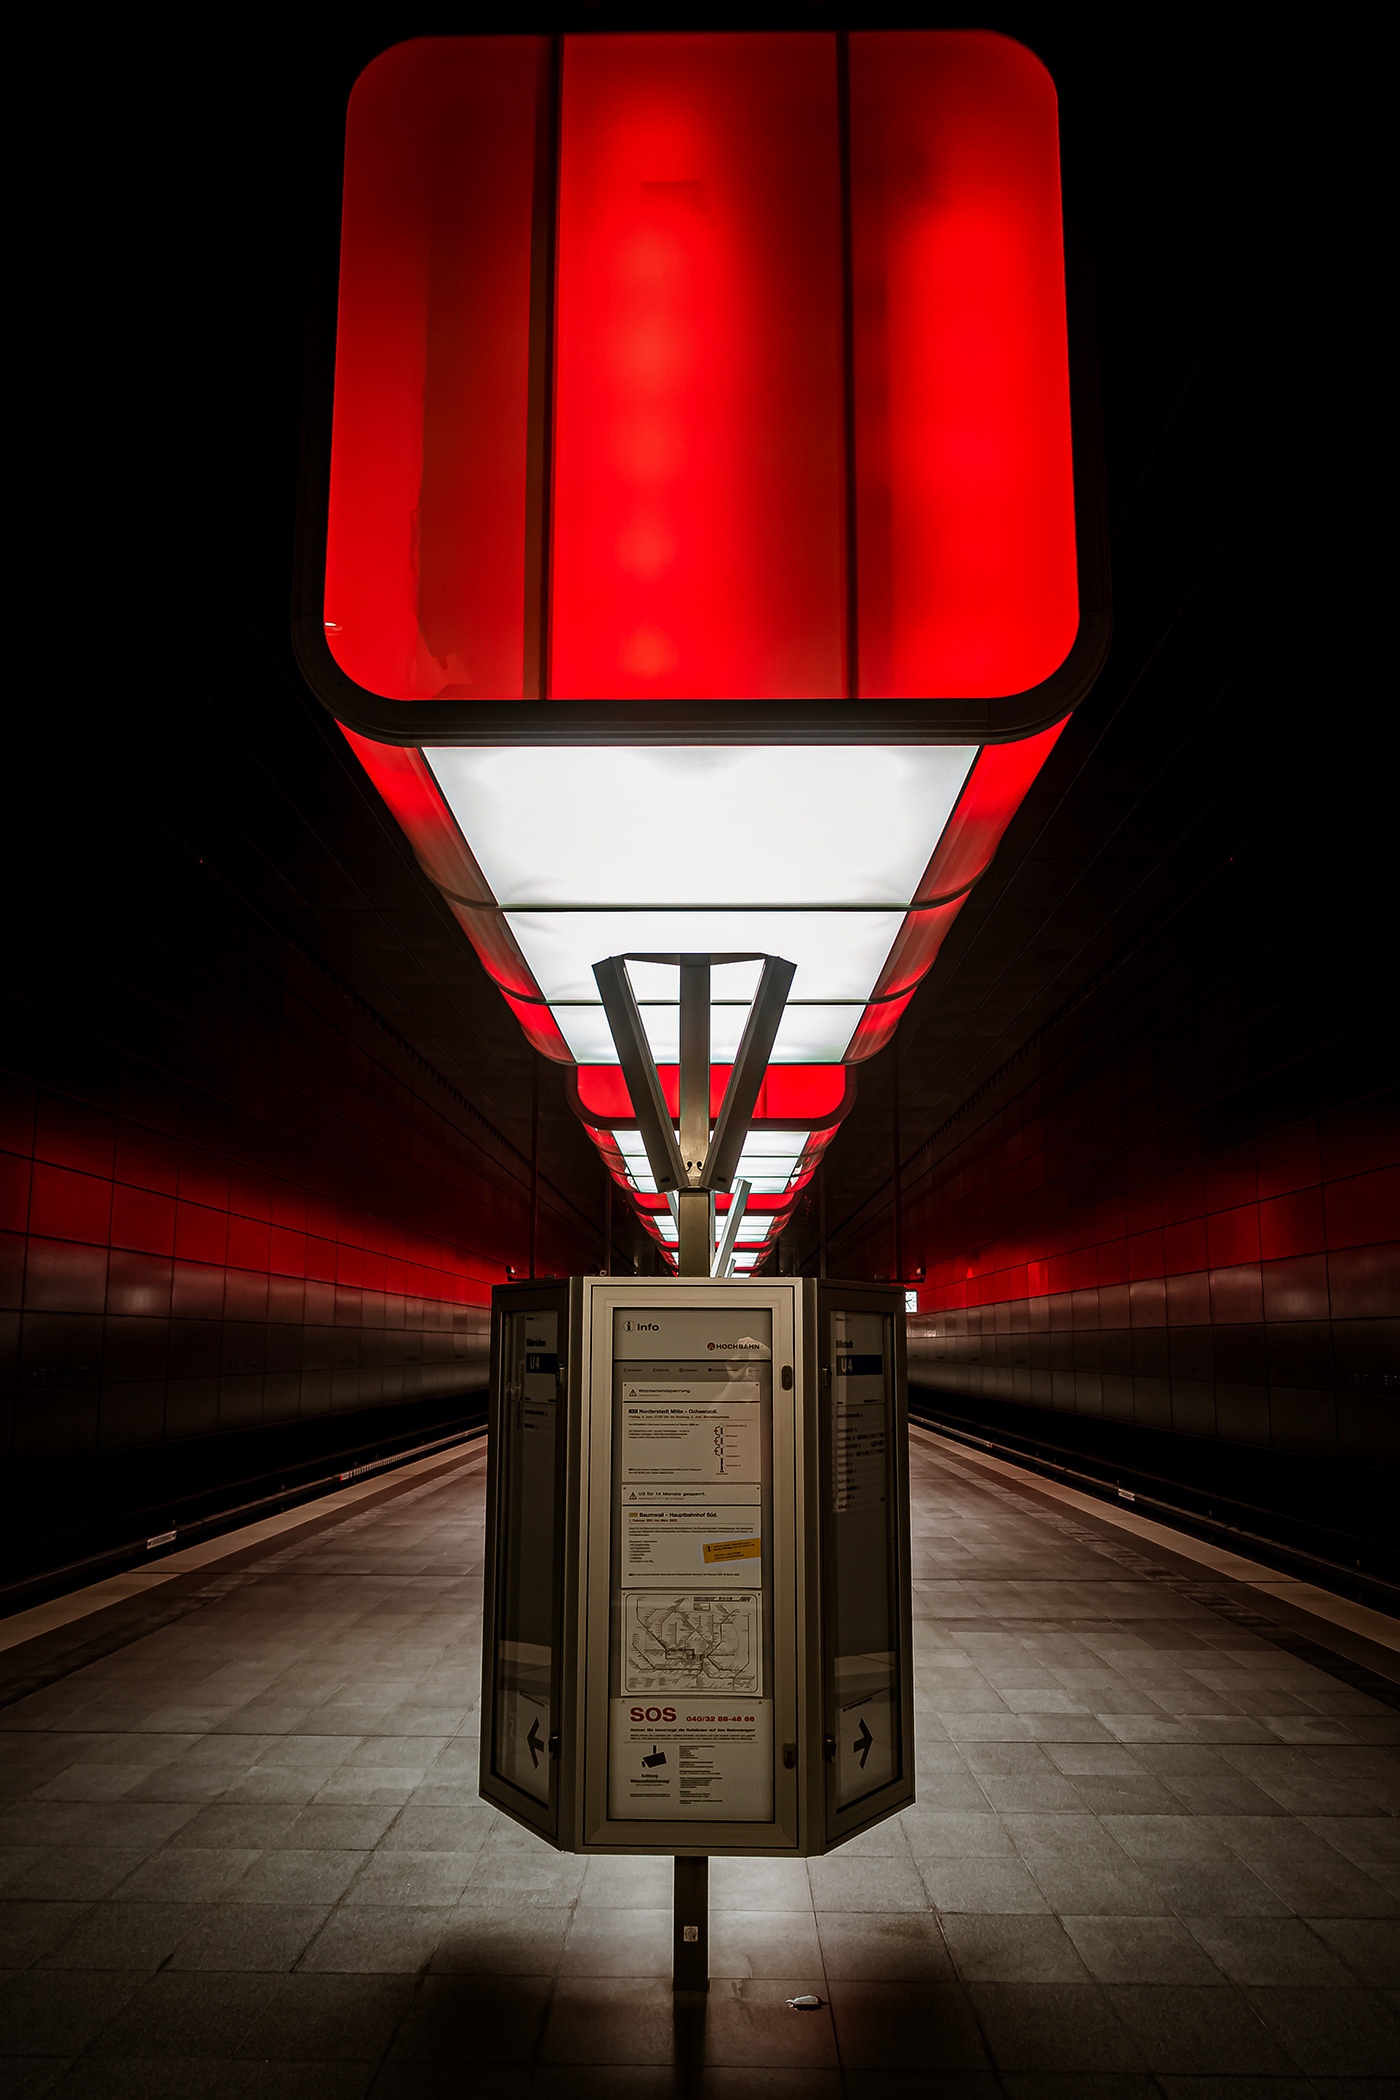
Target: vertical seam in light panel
{"x": 539, "y": 427}
{"x": 848, "y": 365}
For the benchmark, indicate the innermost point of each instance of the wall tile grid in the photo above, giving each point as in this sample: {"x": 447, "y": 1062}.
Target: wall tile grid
{"x": 287, "y": 1228}
{"x": 1108, "y": 1243}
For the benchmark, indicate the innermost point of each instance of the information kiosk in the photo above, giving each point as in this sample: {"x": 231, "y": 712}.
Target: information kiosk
{"x": 697, "y": 1611}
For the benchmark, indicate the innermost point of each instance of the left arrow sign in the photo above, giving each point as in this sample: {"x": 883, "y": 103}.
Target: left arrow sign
{"x": 534, "y": 1743}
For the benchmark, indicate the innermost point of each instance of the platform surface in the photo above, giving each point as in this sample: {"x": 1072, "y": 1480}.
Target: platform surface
{"x": 1156, "y": 1848}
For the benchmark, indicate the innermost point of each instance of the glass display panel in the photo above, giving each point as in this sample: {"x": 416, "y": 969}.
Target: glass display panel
{"x": 527, "y": 1526}
{"x": 862, "y": 1556}
{"x": 691, "y": 1661}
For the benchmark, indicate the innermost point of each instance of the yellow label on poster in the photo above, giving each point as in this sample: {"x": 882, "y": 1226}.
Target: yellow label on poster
{"x": 732, "y": 1549}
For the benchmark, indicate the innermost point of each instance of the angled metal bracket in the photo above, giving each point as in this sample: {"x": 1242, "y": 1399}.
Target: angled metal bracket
{"x": 746, "y": 1076}
{"x": 639, "y": 1071}
{"x": 724, "y": 1253}
{"x": 689, "y": 1172}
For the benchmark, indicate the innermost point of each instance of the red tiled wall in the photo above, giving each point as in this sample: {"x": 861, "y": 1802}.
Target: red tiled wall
{"x": 1087, "y": 1248}
{"x": 294, "y": 1223}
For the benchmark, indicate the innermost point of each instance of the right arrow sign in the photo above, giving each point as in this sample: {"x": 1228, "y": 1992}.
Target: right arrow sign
{"x": 862, "y": 1743}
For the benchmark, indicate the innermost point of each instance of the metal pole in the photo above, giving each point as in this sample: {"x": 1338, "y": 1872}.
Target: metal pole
{"x": 690, "y": 1960}
{"x": 534, "y": 1158}
{"x": 695, "y": 1207}
{"x": 607, "y": 1224}
{"x": 821, "y": 1217}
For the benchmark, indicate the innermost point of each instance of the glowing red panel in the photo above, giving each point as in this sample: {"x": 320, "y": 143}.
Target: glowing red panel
{"x": 697, "y": 495}
{"x": 405, "y": 781}
{"x": 991, "y": 796}
{"x": 425, "y": 562}
{"x": 964, "y": 473}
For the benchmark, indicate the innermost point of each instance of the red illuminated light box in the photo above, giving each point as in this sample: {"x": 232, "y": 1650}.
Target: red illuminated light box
{"x": 702, "y": 386}
{"x": 707, "y": 390}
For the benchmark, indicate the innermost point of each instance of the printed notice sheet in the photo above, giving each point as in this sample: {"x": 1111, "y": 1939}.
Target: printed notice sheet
{"x": 677, "y": 1759}
{"x": 697, "y": 1432}
{"x": 696, "y": 1643}
{"x": 712, "y": 1534}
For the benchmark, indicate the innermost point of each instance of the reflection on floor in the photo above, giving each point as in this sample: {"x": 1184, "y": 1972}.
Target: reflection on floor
{"x": 1155, "y": 1851}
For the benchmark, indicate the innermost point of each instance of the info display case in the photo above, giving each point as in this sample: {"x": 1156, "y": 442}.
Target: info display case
{"x": 697, "y": 1610}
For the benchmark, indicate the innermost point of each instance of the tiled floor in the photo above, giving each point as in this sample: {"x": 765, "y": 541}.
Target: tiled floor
{"x": 1155, "y": 1851}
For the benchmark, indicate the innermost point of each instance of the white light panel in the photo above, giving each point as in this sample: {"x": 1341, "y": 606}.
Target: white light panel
{"x": 702, "y": 824}
{"x": 807, "y": 1035}
{"x": 838, "y": 954}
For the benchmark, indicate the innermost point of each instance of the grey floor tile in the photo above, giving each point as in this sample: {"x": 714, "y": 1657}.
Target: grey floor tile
{"x": 765, "y": 2082}
{"x": 770, "y": 1943}
{"x": 370, "y": 1939}
{"x": 136, "y": 2078}
{"x": 1200, "y": 2031}
{"x": 1099, "y": 1889}
{"x": 29, "y": 1930}
{"x": 1370, "y": 1947}
{"x": 509, "y": 1876}
{"x": 1125, "y": 1794}
{"x": 953, "y": 1835}
{"x": 294, "y": 2081}
{"x": 182, "y": 2015}
{"x": 905, "y": 2027}
{"x": 749, "y": 2023}
{"x": 413, "y": 1878}
{"x": 1203, "y": 1887}
{"x": 1107, "y": 1760}
{"x": 481, "y": 1941}
{"x": 1155, "y": 1837}
{"x": 839, "y": 1883}
{"x": 632, "y": 2022}
{"x": 759, "y": 1884}
{"x": 865, "y": 1946}
{"x": 1013, "y": 1950}
{"x": 247, "y": 1938}
{"x": 438, "y": 1828}
{"x": 327, "y": 1826}
{"x": 45, "y": 2012}
{"x": 1141, "y": 1950}
{"x": 621, "y": 2082}
{"x": 624, "y": 1942}
{"x": 1227, "y": 1794}
{"x": 1014, "y": 1793}
{"x": 1078, "y": 1838}
{"x": 1061, "y": 2027}
{"x": 1269, "y": 1951}
{"x": 73, "y": 1874}
{"x": 237, "y": 1826}
{"x": 188, "y": 1874}
{"x": 328, "y": 2018}
{"x": 300, "y": 1877}
{"x": 996, "y": 1885}
{"x": 117, "y": 1935}
{"x": 618, "y": 1884}
{"x": 1347, "y": 2033}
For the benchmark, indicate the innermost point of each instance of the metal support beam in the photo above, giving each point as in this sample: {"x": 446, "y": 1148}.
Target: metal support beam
{"x": 639, "y": 1071}
{"x": 695, "y": 1066}
{"x": 724, "y": 1254}
{"x": 695, "y": 1231}
{"x": 746, "y": 1077}
{"x": 690, "y": 1962}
